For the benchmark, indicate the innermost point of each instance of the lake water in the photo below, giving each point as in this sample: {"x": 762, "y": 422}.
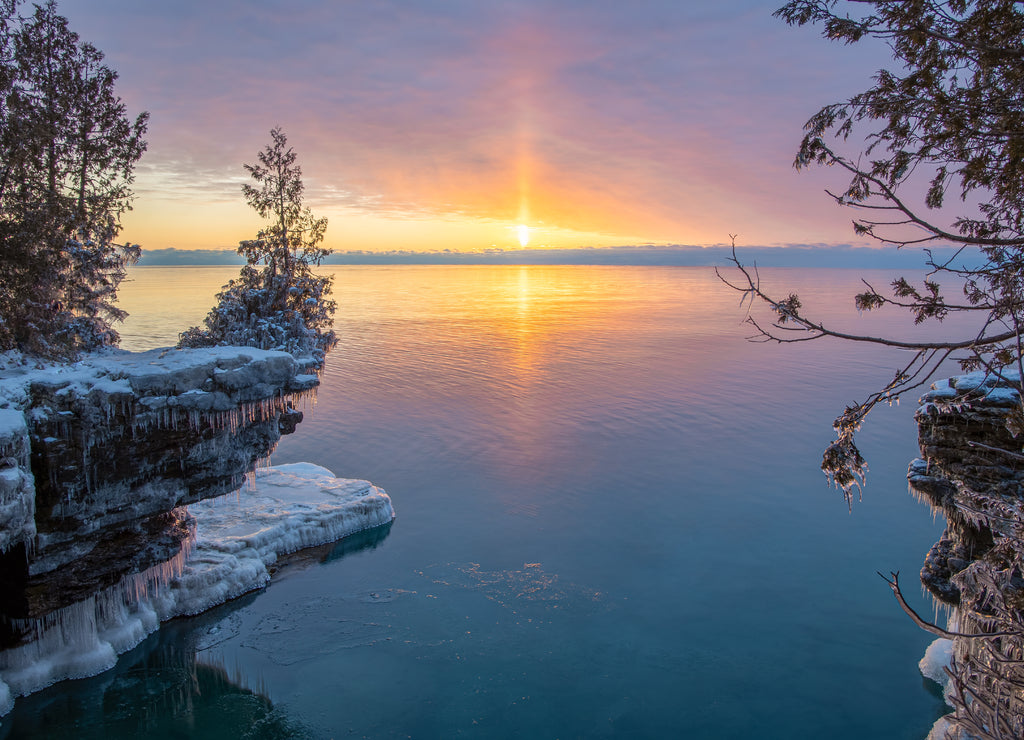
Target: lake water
{"x": 611, "y": 523}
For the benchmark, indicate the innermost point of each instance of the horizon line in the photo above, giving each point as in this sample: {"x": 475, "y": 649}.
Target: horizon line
{"x": 792, "y": 255}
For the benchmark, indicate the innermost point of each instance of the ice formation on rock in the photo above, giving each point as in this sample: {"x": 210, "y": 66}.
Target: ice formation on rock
{"x": 17, "y": 488}
{"x": 971, "y": 471}
{"x": 936, "y": 659}
{"x": 236, "y": 537}
{"x": 98, "y": 452}
{"x": 100, "y": 464}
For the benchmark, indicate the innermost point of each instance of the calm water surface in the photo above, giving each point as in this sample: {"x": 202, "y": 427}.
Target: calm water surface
{"x": 611, "y": 523}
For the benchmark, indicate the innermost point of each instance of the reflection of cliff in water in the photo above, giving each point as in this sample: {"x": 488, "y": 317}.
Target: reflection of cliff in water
{"x": 172, "y": 685}
{"x": 160, "y": 689}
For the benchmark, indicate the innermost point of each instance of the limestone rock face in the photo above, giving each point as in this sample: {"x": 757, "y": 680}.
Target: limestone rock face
{"x": 96, "y": 458}
{"x": 972, "y": 470}
{"x": 971, "y": 433}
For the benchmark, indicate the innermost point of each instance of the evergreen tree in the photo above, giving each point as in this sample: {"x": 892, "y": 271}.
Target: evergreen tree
{"x": 67, "y": 155}
{"x": 950, "y": 121}
{"x": 277, "y": 302}
{"x": 941, "y": 162}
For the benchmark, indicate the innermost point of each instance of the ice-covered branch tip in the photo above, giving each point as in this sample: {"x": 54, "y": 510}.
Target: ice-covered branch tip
{"x": 842, "y": 461}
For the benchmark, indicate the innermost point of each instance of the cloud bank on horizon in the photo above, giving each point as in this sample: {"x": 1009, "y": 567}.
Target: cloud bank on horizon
{"x": 793, "y": 255}
{"x": 425, "y": 126}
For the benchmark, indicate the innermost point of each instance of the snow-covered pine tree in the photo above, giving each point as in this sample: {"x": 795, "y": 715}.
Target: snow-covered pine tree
{"x": 67, "y": 154}
{"x": 277, "y": 302}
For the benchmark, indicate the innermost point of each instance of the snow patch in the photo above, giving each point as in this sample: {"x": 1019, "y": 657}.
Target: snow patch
{"x": 12, "y": 425}
{"x": 237, "y": 536}
{"x": 936, "y": 658}
{"x": 991, "y": 389}
{"x": 155, "y": 373}
{"x": 305, "y": 381}
{"x": 6, "y": 700}
{"x": 943, "y": 729}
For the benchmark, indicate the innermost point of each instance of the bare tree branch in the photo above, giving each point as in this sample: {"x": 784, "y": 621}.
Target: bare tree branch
{"x": 894, "y": 584}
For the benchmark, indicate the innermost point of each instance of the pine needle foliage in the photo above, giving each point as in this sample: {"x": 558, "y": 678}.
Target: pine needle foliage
{"x": 278, "y": 301}
{"x": 934, "y": 155}
{"x": 67, "y": 156}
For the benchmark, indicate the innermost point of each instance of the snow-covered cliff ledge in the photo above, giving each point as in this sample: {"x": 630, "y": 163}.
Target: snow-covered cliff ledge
{"x": 120, "y": 437}
{"x": 971, "y": 471}
{"x": 99, "y": 464}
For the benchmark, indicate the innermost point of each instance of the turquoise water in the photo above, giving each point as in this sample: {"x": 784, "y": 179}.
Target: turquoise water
{"x": 611, "y": 523}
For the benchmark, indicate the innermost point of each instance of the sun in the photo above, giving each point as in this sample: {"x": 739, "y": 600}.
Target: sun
{"x": 524, "y": 234}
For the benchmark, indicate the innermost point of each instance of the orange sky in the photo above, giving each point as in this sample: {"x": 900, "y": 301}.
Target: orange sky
{"x": 447, "y": 125}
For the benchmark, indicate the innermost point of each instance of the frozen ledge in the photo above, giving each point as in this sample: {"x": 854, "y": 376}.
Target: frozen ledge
{"x": 202, "y": 379}
{"x": 95, "y": 432}
{"x": 238, "y": 536}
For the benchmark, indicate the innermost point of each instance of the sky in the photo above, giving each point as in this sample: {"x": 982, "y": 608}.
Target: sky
{"x": 450, "y": 124}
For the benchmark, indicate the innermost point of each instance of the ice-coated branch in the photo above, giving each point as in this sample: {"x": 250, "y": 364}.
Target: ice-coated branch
{"x": 894, "y": 584}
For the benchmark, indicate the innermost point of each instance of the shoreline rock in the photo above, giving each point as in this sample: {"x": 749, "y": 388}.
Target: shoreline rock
{"x": 235, "y": 539}
{"x": 971, "y": 470}
{"x": 100, "y": 461}
{"x": 94, "y": 456}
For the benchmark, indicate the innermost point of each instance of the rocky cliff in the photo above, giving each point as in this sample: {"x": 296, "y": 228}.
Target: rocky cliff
{"x": 96, "y": 459}
{"x": 971, "y": 471}
{"x": 110, "y": 521}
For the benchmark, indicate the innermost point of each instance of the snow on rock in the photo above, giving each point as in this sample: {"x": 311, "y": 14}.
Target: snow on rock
{"x": 215, "y": 377}
{"x": 12, "y": 427}
{"x": 237, "y": 536}
{"x": 936, "y": 658}
{"x": 944, "y": 729}
{"x": 978, "y": 387}
{"x": 119, "y": 438}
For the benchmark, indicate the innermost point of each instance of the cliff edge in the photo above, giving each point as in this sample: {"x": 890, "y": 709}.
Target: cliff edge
{"x": 971, "y": 470}
{"x": 99, "y": 463}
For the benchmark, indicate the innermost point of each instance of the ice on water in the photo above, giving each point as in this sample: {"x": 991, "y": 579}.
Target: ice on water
{"x": 238, "y": 536}
{"x": 936, "y": 658}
